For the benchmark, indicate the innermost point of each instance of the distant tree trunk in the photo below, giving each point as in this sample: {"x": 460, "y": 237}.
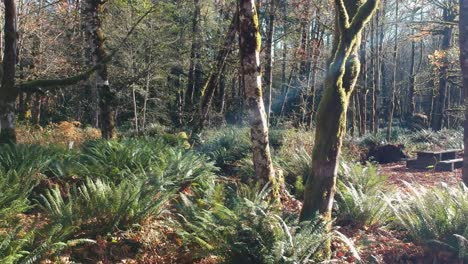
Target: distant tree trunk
{"x": 395, "y": 67}
{"x": 194, "y": 82}
{"x": 363, "y": 88}
{"x": 250, "y": 42}
{"x": 464, "y": 65}
{"x": 377, "y": 70}
{"x": 21, "y": 98}
{"x": 438, "y": 111}
{"x": 316, "y": 48}
{"x": 382, "y": 87}
{"x": 98, "y": 55}
{"x": 36, "y": 109}
{"x": 8, "y": 91}
{"x": 88, "y": 15}
{"x": 213, "y": 80}
{"x": 284, "y": 85}
{"x": 135, "y": 111}
{"x": 351, "y": 17}
{"x": 412, "y": 79}
{"x": 222, "y": 93}
{"x": 371, "y": 80}
{"x": 268, "y": 77}
{"x": 303, "y": 70}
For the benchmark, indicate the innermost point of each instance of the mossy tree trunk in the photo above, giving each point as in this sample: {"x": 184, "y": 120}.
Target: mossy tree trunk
{"x": 269, "y": 57}
{"x": 250, "y": 44}
{"x": 464, "y": 66}
{"x": 8, "y": 91}
{"x": 98, "y": 55}
{"x": 351, "y": 17}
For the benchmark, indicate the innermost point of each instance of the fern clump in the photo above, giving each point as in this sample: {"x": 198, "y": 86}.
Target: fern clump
{"x": 359, "y": 198}
{"x": 114, "y": 160}
{"x": 98, "y": 207}
{"x": 14, "y": 192}
{"x": 28, "y": 160}
{"x": 226, "y": 146}
{"x": 297, "y": 167}
{"x": 436, "y": 217}
{"x": 246, "y": 228}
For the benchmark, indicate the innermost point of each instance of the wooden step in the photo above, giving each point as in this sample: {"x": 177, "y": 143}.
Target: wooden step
{"x": 424, "y": 164}
{"x": 449, "y": 165}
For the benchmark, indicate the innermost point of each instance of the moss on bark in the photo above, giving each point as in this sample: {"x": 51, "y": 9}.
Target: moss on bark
{"x": 250, "y": 41}
{"x": 351, "y": 16}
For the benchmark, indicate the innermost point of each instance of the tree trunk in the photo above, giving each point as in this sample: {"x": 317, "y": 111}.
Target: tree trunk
{"x": 268, "y": 77}
{"x": 377, "y": 72}
{"x": 8, "y": 92}
{"x": 363, "y": 88}
{"x": 464, "y": 66}
{"x": 98, "y": 54}
{"x": 250, "y": 42}
{"x": 36, "y": 109}
{"x": 438, "y": 111}
{"x": 331, "y": 116}
{"x": 194, "y": 74}
{"x": 412, "y": 79}
{"x": 213, "y": 80}
{"x": 371, "y": 80}
{"x": 395, "y": 67}
{"x": 89, "y": 13}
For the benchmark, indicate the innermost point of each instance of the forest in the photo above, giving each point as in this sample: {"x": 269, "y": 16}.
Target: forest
{"x": 234, "y": 131}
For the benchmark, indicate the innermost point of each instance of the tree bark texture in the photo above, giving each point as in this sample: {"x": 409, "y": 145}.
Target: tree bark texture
{"x": 351, "y": 17}
{"x": 464, "y": 65}
{"x": 98, "y": 55}
{"x": 250, "y": 45}
{"x": 268, "y": 77}
{"x": 8, "y": 91}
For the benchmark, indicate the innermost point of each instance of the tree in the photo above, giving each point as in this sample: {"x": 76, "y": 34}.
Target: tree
{"x": 394, "y": 82}
{"x": 351, "y": 17}
{"x": 98, "y": 54}
{"x": 463, "y": 24}
{"x": 449, "y": 15}
{"x": 250, "y": 45}
{"x": 8, "y": 91}
{"x": 269, "y": 57}
{"x": 215, "y": 76}
{"x": 195, "y": 77}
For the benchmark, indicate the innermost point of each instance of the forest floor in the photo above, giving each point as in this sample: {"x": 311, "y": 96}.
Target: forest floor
{"x": 374, "y": 244}
{"x": 382, "y": 245}
{"x": 156, "y": 241}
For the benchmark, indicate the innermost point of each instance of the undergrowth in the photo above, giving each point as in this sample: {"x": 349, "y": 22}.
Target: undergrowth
{"x": 435, "y": 217}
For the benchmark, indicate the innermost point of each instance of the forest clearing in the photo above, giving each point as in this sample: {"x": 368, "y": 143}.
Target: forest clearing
{"x": 234, "y": 131}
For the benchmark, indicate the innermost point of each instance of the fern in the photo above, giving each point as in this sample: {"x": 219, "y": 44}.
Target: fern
{"x": 98, "y": 207}
{"x": 359, "y": 198}
{"x": 14, "y": 192}
{"x": 249, "y": 230}
{"x": 226, "y": 146}
{"x": 434, "y": 216}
